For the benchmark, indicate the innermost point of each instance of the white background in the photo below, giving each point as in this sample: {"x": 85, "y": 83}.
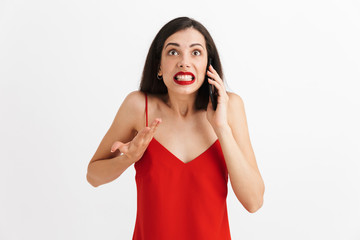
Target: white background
{"x": 66, "y": 66}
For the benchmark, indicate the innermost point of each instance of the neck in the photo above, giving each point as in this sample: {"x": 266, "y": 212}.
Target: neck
{"x": 182, "y": 105}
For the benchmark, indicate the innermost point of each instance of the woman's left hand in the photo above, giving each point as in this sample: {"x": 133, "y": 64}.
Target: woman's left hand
{"x": 218, "y": 118}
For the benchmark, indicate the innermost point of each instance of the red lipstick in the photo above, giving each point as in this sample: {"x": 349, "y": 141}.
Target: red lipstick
{"x": 184, "y": 78}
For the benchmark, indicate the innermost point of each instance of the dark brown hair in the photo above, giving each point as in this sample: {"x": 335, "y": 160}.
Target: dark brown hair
{"x": 149, "y": 82}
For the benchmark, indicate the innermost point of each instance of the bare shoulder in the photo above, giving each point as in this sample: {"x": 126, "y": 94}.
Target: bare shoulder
{"x": 134, "y": 108}
{"x": 233, "y": 97}
{"x": 134, "y": 102}
{"x": 236, "y": 107}
{"x": 124, "y": 126}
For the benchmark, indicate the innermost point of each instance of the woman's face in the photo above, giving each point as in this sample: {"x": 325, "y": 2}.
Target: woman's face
{"x": 183, "y": 61}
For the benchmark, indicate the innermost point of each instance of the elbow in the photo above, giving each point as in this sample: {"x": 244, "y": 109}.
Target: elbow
{"x": 255, "y": 206}
{"x": 258, "y": 203}
{"x": 91, "y": 181}
{"x": 91, "y": 178}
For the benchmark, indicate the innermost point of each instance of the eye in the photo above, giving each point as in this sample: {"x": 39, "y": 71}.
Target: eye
{"x": 196, "y": 53}
{"x": 173, "y": 52}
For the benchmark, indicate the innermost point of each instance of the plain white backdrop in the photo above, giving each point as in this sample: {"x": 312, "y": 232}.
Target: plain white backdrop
{"x": 66, "y": 66}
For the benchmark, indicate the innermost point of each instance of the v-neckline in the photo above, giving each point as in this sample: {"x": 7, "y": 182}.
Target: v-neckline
{"x": 178, "y": 159}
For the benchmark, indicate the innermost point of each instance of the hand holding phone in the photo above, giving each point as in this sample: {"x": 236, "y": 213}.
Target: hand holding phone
{"x": 212, "y": 89}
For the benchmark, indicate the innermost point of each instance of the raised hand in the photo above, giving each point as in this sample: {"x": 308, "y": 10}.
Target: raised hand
{"x": 218, "y": 118}
{"x": 137, "y": 146}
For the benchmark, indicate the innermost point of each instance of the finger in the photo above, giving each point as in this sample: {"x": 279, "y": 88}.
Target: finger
{"x": 124, "y": 147}
{"x": 143, "y": 132}
{"x": 215, "y": 77}
{"x": 212, "y": 69}
{"x": 217, "y": 85}
{"x": 155, "y": 124}
{"x": 115, "y": 146}
{"x": 145, "y": 135}
{"x": 153, "y": 128}
{"x": 139, "y": 138}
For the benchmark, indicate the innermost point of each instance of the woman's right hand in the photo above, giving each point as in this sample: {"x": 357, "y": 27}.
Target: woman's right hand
{"x": 135, "y": 148}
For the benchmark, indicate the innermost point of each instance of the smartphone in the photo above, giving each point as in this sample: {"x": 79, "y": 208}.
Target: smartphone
{"x": 212, "y": 90}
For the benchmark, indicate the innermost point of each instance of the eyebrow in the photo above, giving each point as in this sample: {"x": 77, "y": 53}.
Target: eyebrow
{"x": 178, "y": 45}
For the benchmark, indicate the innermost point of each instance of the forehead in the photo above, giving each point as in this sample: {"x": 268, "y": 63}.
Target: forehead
{"x": 186, "y": 37}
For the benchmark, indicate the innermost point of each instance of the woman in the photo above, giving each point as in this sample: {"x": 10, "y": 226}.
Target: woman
{"x": 183, "y": 159}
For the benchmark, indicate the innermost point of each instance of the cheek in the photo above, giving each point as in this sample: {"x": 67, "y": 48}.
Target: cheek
{"x": 166, "y": 63}
{"x": 202, "y": 66}
{"x": 203, "y": 70}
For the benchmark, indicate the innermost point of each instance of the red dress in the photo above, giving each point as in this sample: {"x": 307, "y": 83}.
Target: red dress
{"x": 181, "y": 201}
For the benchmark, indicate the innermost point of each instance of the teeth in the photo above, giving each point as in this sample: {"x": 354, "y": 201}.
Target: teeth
{"x": 184, "y": 77}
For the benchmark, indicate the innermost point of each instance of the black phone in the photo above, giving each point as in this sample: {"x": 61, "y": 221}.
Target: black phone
{"x": 212, "y": 89}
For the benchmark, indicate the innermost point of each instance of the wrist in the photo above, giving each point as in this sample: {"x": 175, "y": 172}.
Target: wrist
{"x": 128, "y": 159}
{"x": 125, "y": 159}
{"x": 223, "y": 131}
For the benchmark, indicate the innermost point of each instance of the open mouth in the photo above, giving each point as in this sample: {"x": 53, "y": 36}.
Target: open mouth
{"x": 184, "y": 78}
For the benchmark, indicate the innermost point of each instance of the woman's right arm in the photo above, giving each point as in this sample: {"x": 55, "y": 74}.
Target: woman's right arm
{"x": 106, "y": 170}
{"x": 105, "y": 166}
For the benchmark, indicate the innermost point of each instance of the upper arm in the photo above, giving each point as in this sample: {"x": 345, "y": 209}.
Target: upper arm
{"x": 239, "y": 127}
{"x": 123, "y": 127}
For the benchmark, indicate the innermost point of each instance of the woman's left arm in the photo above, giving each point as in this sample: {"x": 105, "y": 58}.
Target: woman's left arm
{"x": 230, "y": 125}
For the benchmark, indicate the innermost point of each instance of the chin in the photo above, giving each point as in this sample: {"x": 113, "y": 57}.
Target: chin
{"x": 185, "y": 91}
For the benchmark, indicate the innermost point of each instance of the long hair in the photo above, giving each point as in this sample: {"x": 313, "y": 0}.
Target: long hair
{"x": 149, "y": 82}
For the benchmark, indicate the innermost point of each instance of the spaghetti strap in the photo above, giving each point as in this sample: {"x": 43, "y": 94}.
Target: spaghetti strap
{"x": 146, "y": 109}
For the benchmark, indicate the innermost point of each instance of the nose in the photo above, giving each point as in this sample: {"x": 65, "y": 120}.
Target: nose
{"x": 184, "y": 61}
